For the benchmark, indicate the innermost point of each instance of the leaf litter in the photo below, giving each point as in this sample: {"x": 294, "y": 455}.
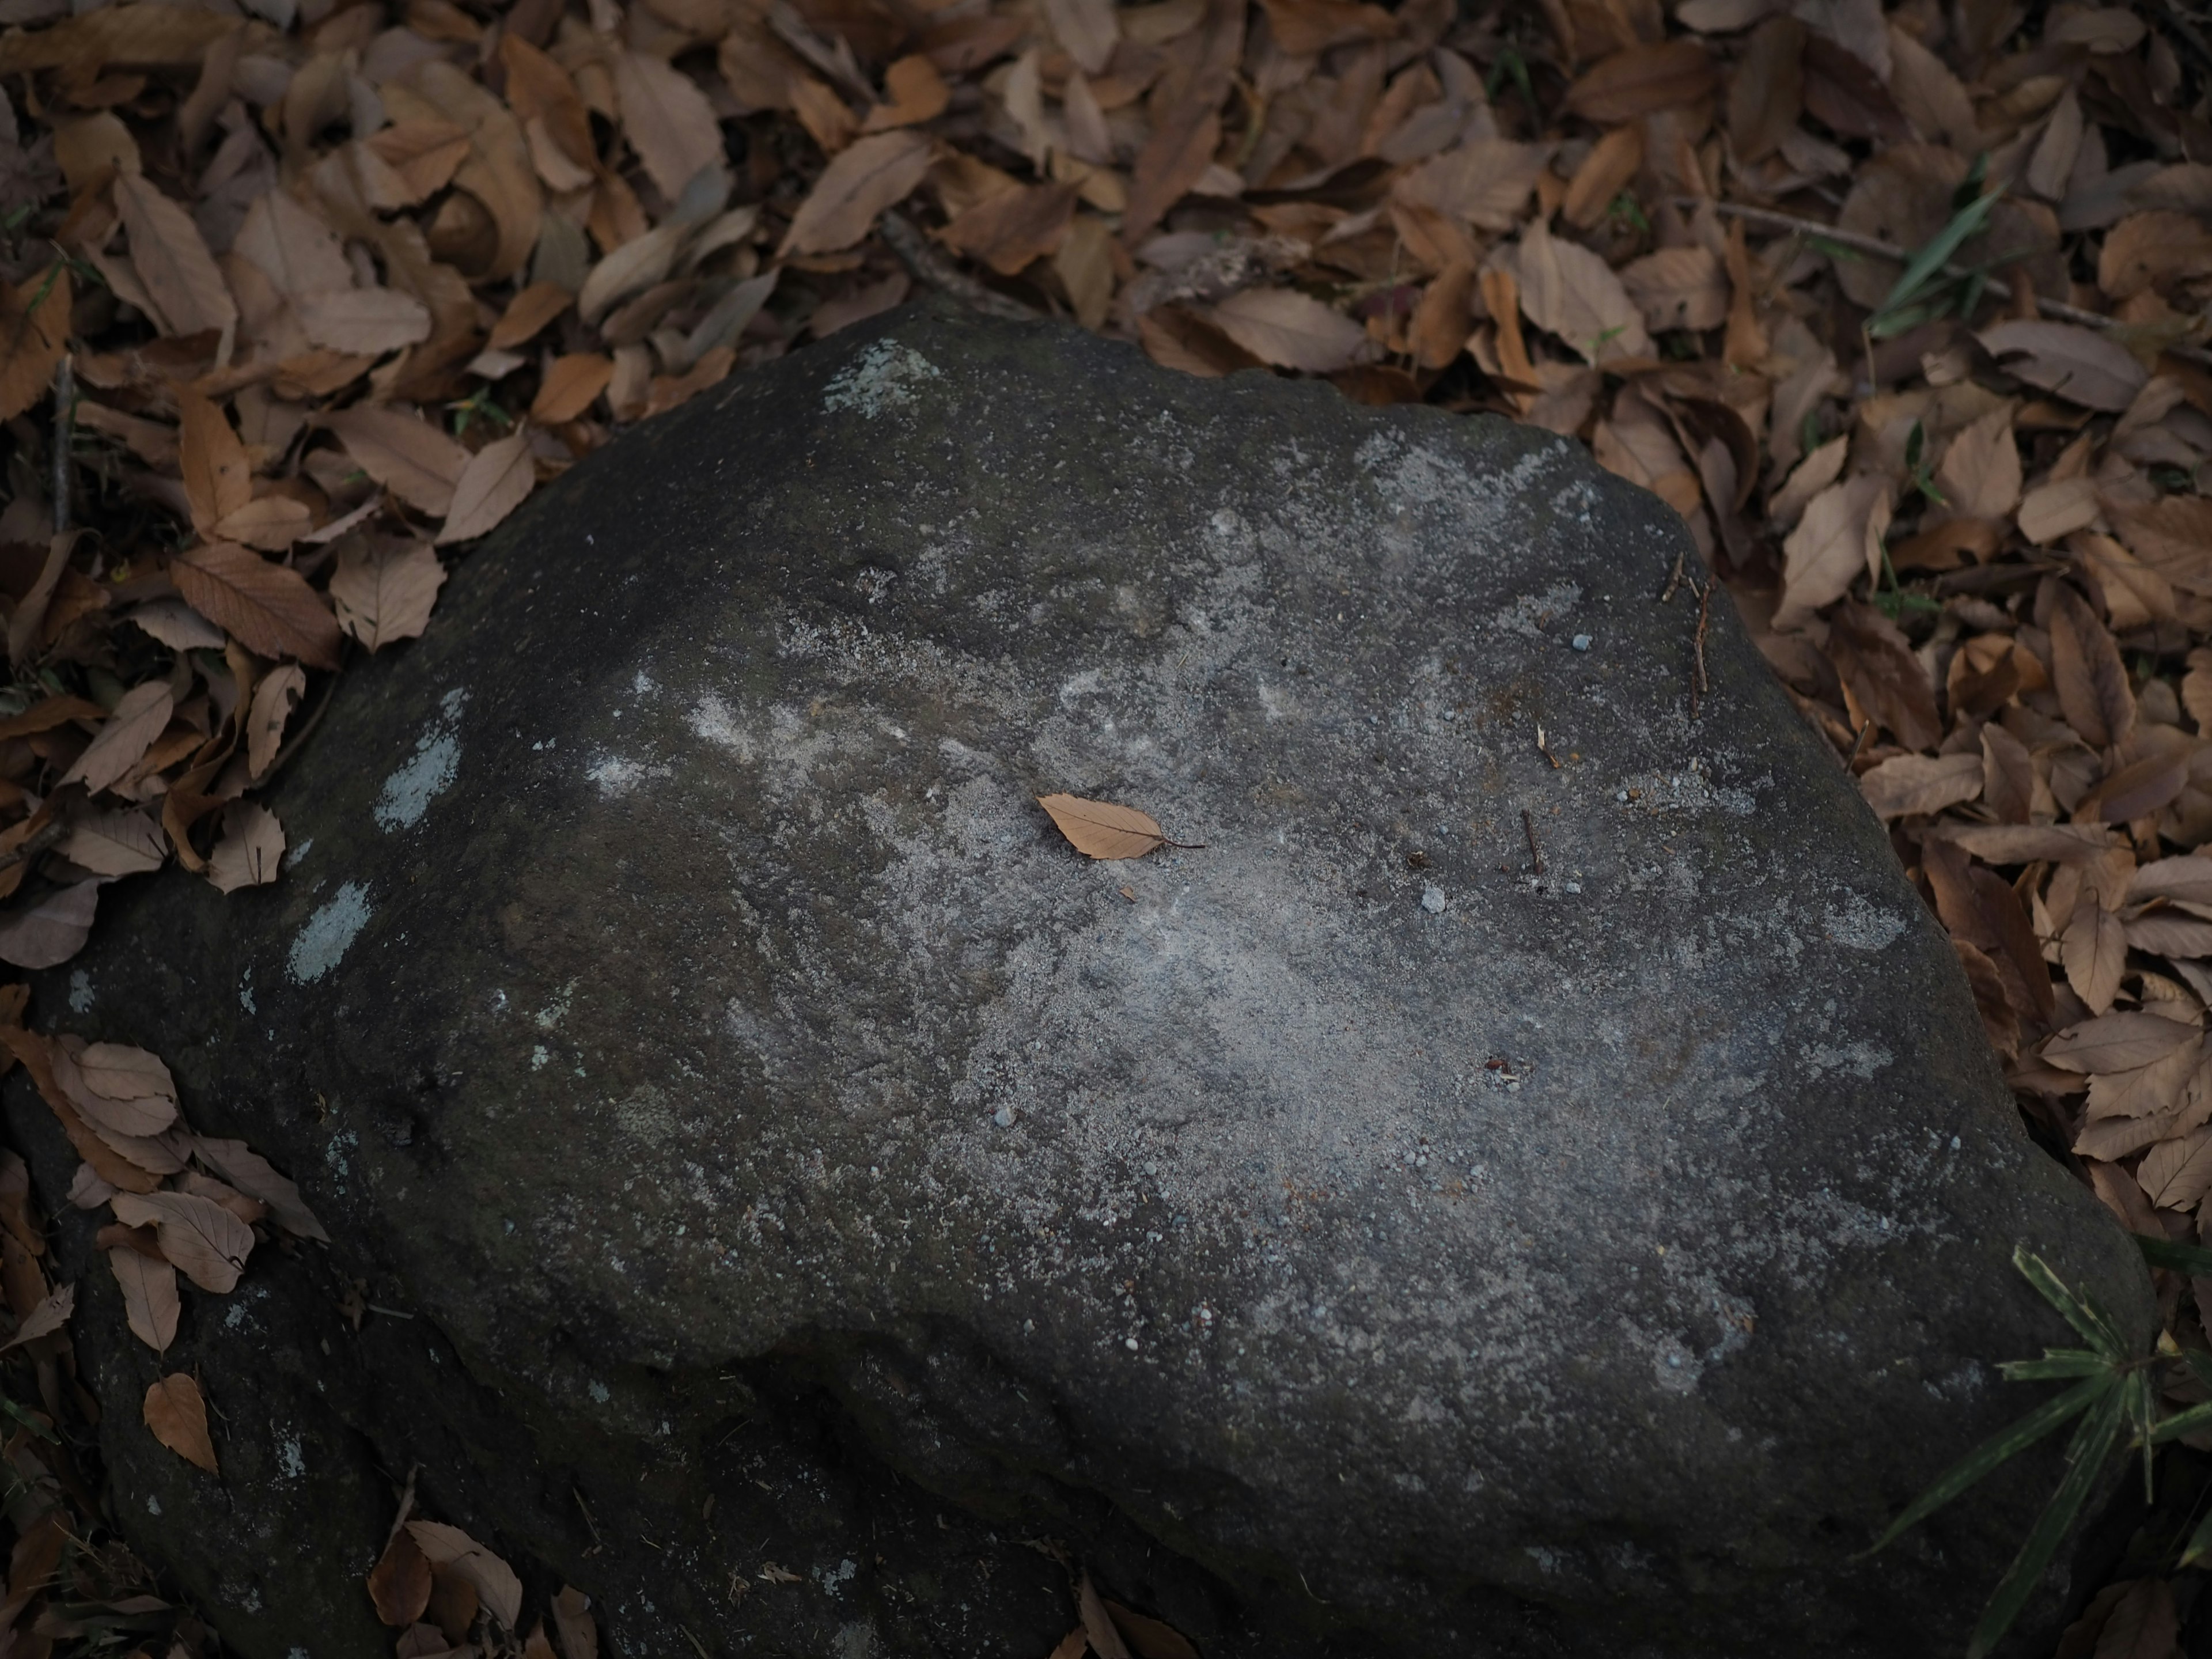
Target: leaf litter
{"x": 1902, "y": 309}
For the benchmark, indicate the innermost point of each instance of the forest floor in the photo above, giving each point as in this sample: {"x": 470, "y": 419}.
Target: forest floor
{"x": 1902, "y": 308}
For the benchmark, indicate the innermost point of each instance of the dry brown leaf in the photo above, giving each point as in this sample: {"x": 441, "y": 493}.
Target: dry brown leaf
{"x": 1100, "y": 829}
{"x": 1907, "y": 784}
{"x": 498, "y": 173}
{"x": 572, "y": 1618}
{"x": 1011, "y": 229}
{"x": 251, "y": 1173}
{"x": 1291, "y": 330}
{"x": 124, "y": 843}
{"x": 33, "y": 334}
{"x": 493, "y": 1580}
{"x": 1613, "y": 161}
{"x": 218, "y": 478}
{"x": 1149, "y": 1638}
{"x": 48, "y": 1317}
{"x": 1837, "y": 541}
{"x": 123, "y": 1075}
{"x": 267, "y": 608}
{"x": 179, "y": 275}
{"x": 1642, "y": 81}
{"x": 251, "y": 852}
{"x": 141, "y": 717}
{"x": 1086, "y": 29}
{"x": 177, "y": 1416}
{"x": 2078, "y": 364}
{"x": 1569, "y": 292}
{"x": 1439, "y": 328}
{"x": 50, "y": 932}
{"x": 205, "y": 1242}
{"x": 385, "y": 589}
{"x": 498, "y": 479}
{"x": 1484, "y": 181}
{"x": 409, "y": 457}
{"x": 272, "y": 523}
{"x": 2087, "y": 674}
{"x": 876, "y": 172}
{"x": 1766, "y": 93}
{"x": 1979, "y": 474}
{"x": 527, "y": 313}
{"x": 669, "y": 123}
{"x": 2094, "y": 950}
{"x": 1678, "y": 288}
{"x": 399, "y": 1582}
{"x": 916, "y": 92}
{"x": 1187, "y": 133}
{"x": 2057, "y": 510}
{"x": 274, "y": 699}
{"x": 150, "y": 1297}
{"x": 424, "y": 153}
{"x": 374, "y": 320}
{"x": 2117, "y": 1042}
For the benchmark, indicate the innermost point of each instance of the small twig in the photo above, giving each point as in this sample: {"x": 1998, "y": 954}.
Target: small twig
{"x": 46, "y": 837}
{"x": 933, "y": 270}
{"x": 65, "y": 424}
{"x": 598, "y": 1542}
{"x": 1529, "y": 828}
{"x": 1544, "y": 750}
{"x": 1699, "y": 684}
{"x": 1858, "y": 745}
{"x": 1675, "y": 580}
{"x": 1874, "y": 245}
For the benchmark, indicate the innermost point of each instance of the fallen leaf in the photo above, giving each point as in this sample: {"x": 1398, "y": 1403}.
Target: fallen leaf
{"x": 492, "y": 1578}
{"x": 2094, "y": 950}
{"x": 33, "y": 334}
{"x": 1569, "y": 291}
{"x": 2117, "y": 1042}
{"x": 52, "y": 931}
{"x": 177, "y": 1416}
{"x": 385, "y": 589}
{"x": 917, "y": 94}
{"x": 1008, "y": 231}
{"x": 497, "y": 480}
{"x": 1835, "y": 543}
{"x": 128, "y": 1078}
{"x": 669, "y": 123}
{"x": 1150, "y": 1639}
{"x": 1097, "y": 1625}
{"x": 207, "y": 1244}
{"x": 252, "y": 1174}
{"x": 1291, "y": 330}
{"x": 274, "y": 698}
{"x": 1484, "y": 181}
{"x": 1642, "y": 81}
{"x": 527, "y": 313}
{"x": 141, "y": 717}
{"x": 218, "y": 479}
{"x": 409, "y": 457}
{"x": 251, "y": 852}
{"x": 2087, "y": 674}
{"x": 572, "y": 1618}
{"x": 876, "y": 172}
{"x": 150, "y": 1297}
{"x": 2078, "y": 364}
{"x": 399, "y": 1582}
{"x": 1678, "y": 288}
{"x": 120, "y": 843}
{"x": 267, "y": 608}
{"x": 49, "y": 1316}
{"x": 1907, "y": 784}
{"x": 366, "y": 319}
{"x": 1100, "y": 829}
{"x": 1979, "y": 474}
{"x": 179, "y": 274}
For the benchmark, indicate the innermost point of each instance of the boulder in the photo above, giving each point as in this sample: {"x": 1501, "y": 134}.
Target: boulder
{"x": 1521, "y": 1174}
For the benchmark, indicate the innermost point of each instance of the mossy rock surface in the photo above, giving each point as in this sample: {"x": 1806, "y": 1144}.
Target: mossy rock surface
{"x": 1344, "y": 1235}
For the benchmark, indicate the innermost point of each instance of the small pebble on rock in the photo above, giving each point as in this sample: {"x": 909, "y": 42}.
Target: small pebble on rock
{"x": 1004, "y": 1117}
{"x": 1432, "y": 899}
{"x": 1581, "y": 641}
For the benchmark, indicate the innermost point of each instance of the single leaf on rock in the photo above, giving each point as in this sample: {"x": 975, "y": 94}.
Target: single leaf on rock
{"x": 34, "y": 320}
{"x": 1907, "y": 784}
{"x": 1100, "y": 829}
{"x": 48, "y": 932}
{"x": 150, "y": 1297}
{"x": 218, "y": 478}
{"x": 874, "y": 172}
{"x": 252, "y": 851}
{"x": 127, "y": 1076}
{"x": 572, "y": 1621}
{"x": 140, "y": 718}
{"x": 252, "y": 1174}
{"x": 267, "y": 608}
{"x": 171, "y": 257}
{"x": 1290, "y": 329}
{"x": 385, "y": 589}
{"x": 493, "y": 1580}
{"x": 2078, "y": 363}
{"x": 399, "y": 1582}
{"x": 408, "y": 456}
{"x": 177, "y": 1414}
{"x": 497, "y": 480}
{"x": 206, "y": 1241}
{"x": 371, "y": 320}
{"x": 50, "y": 1315}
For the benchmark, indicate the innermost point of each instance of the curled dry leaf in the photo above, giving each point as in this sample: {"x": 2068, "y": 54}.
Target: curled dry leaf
{"x": 177, "y": 1414}
{"x": 49, "y": 1316}
{"x": 207, "y": 1244}
{"x": 251, "y": 1173}
{"x": 150, "y": 1297}
{"x": 493, "y": 1581}
{"x": 1100, "y": 829}
{"x": 266, "y": 607}
{"x": 274, "y": 699}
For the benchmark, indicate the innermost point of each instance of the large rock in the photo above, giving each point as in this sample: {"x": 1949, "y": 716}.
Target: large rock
{"x": 776, "y": 1142}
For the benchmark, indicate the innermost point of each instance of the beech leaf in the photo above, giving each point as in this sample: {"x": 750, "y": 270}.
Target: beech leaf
{"x": 1100, "y": 829}
{"x": 206, "y": 1241}
{"x": 496, "y": 481}
{"x": 177, "y": 1414}
{"x": 150, "y": 1297}
{"x": 385, "y": 589}
{"x": 265, "y": 607}
{"x": 493, "y": 1581}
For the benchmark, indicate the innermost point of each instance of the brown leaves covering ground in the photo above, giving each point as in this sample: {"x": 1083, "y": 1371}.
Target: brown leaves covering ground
{"x": 333, "y": 288}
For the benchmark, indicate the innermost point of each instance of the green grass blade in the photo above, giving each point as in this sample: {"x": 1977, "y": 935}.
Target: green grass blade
{"x": 2085, "y": 1456}
{"x": 2082, "y": 1396}
{"x": 2192, "y": 1259}
{"x": 2142, "y": 1408}
{"x": 2181, "y": 1423}
{"x": 2080, "y": 1313}
{"x": 2056, "y": 1363}
{"x": 2200, "y": 1542}
{"x": 1937, "y": 252}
